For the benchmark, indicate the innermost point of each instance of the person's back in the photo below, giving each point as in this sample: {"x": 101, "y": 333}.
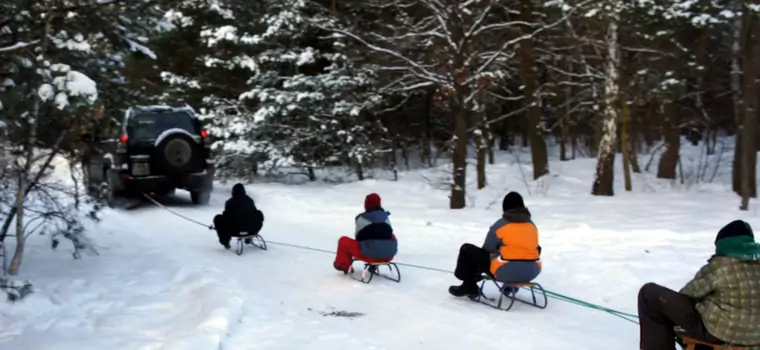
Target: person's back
{"x": 513, "y": 243}
{"x": 518, "y": 257}
{"x": 241, "y": 211}
{"x": 510, "y": 252}
{"x": 373, "y": 240}
{"x": 374, "y": 231}
{"x": 727, "y": 289}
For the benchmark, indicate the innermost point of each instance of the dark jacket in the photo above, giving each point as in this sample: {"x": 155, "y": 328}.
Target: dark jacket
{"x": 375, "y": 234}
{"x": 727, "y": 291}
{"x": 241, "y": 212}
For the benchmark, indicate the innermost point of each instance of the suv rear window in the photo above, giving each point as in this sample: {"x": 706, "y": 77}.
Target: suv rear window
{"x": 147, "y": 126}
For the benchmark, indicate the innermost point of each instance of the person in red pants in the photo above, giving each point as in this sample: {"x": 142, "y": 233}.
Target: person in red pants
{"x": 373, "y": 240}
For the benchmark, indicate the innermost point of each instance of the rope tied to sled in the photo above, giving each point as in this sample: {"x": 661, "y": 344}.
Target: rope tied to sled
{"x": 623, "y": 315}
{"x": 154, "y": 201}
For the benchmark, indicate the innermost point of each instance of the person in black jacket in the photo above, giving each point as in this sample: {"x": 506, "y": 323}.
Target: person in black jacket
{"x": 240, "y": 217}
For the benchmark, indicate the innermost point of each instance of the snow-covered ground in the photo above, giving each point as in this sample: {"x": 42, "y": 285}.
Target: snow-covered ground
{"x": 161, "y": 282}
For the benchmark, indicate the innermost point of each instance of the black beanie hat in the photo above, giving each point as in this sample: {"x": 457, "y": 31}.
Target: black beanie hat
{"x": 512, "y": 200}
{"x": 238, "y": 189}
{"x": 734, "y": 229}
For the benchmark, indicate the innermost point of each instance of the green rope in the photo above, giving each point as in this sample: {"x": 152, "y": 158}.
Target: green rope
{"x": 626, "y": 316}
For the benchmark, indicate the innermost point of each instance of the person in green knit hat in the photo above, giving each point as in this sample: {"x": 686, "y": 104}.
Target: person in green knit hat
{"x": 720, "y": 305}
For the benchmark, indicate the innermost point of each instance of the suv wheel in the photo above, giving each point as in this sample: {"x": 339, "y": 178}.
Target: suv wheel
{"x": 178, "y": 154}
{"x": 200, "y": 197}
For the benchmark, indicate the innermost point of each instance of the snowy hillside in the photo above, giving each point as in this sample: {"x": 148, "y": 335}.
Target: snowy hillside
{"x": 161, "y": 282}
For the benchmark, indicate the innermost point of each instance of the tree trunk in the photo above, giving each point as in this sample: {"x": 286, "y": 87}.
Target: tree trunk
{"x": 736, "y": 93}
{"x": 393, "y": 156}
{"x": 634, "y": 155}
{"x": 359, "y": 170}
{"x": 597, "y": 137}
{"x": 605, "y": 171}
{"x": 713, "y": 136}
{"x": 504, "y": 138}
{"x": 391, "y": 159}
{"x": 564, "y": 127}
{"x": 489, "y": 141}
{"x": 22, "y": 183}
{"x": 426, "y": 135}
{"x": 459, "y": 161}
{"x": 651, "y": 114}
{"x": 255, "y": 168}
{"x": 405, "y": 154}
{"x": 573, "y": 145}
{"x": 703, "y": 60}
{"x": 23, "y": 176}
{"x": 503, "y": 144}
{"x": 736, "y": 173}
{"x": 75, "y": 181}
{"x": 18, "y": 255}
{"x": 633, "y": 132}
{"x": 538, "y": 151}
{"x": 666, "y": 169}
{"x": 481, "y": 151}
{"x": 480, "y": 121}
{"x": 563, "y": 144}
{"x": 491, "y": 154}
{"x": 40, "y": 172}
{"x": 751, "y": 107}
{"x": 624, "y": 143}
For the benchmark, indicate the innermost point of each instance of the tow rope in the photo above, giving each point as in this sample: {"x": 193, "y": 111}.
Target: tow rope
{"x": 557, "y": 296}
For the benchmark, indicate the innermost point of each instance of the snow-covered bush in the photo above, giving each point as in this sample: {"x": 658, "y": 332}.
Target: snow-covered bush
{"x": 54, "y": 64}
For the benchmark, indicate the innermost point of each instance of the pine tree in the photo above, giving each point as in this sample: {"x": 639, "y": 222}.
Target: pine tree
{"x": 311, "y": 99}
{"x": 291, "y": 96}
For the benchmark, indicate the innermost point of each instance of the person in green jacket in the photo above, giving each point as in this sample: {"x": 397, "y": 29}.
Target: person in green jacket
{"x": 720, "y": 305}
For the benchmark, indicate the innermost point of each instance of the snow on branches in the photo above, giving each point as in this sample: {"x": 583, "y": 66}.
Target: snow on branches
{"x": 293, "y": 97}
{"x": 56, "y": 60}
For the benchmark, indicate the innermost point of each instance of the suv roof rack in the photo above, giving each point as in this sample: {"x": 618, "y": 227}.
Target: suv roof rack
{"x": 156, "y": 109}
{"x": 153, "y": 108}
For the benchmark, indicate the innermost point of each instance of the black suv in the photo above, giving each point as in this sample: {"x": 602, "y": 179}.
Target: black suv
{"x": 158, "y": 150}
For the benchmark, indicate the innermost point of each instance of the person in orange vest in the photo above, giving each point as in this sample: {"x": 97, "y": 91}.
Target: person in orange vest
{"x": 510, "y": 253}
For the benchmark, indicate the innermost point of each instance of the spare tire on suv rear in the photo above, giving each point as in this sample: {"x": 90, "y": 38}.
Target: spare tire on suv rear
{"x": 178, "y": 154}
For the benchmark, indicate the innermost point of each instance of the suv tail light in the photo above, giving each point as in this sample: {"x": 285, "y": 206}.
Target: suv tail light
{"x": 206, "y": 143}
{"x": 122, "y": 146}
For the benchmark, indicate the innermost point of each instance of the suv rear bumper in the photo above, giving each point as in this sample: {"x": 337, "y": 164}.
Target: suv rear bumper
{"x": 197, "y": 182}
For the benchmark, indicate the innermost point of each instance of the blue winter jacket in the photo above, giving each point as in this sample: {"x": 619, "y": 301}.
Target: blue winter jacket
{"x": 375, "y": 234}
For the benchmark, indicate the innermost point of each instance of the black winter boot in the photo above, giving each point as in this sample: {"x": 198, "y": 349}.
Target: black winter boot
{"x": 470, "y": 290}
{"x": 510, "y": 291}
